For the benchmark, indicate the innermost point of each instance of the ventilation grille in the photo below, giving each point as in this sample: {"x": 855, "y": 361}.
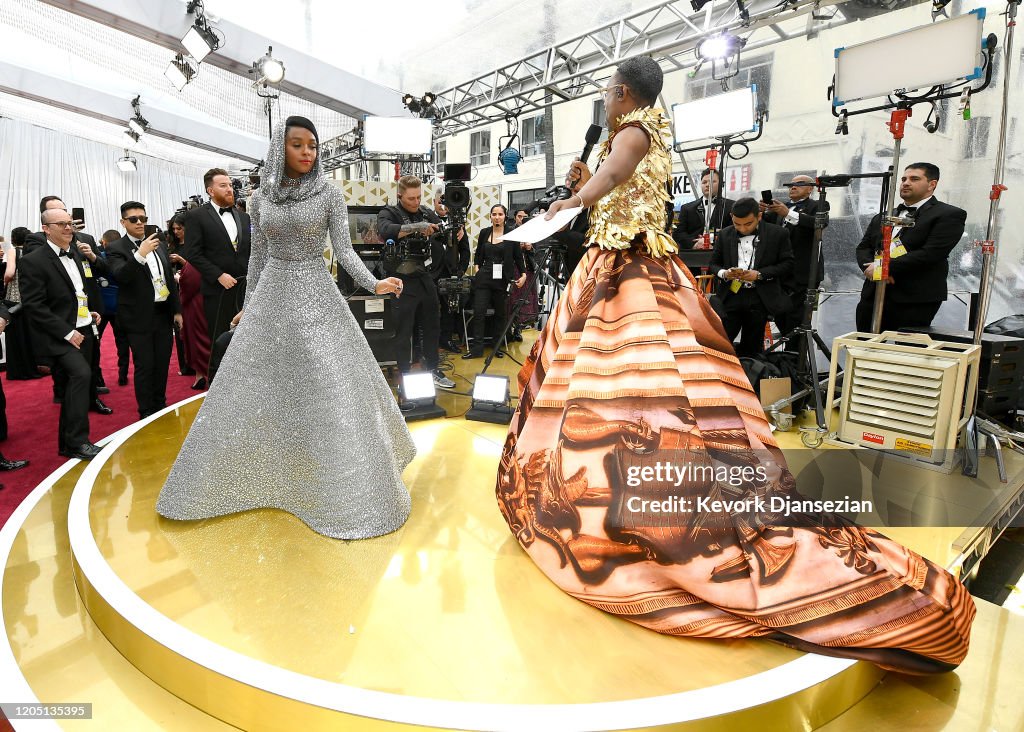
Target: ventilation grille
{"x": 910, "y": 405}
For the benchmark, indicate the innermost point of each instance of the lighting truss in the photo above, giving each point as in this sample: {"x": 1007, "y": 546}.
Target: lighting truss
{"x": 668, "y": 31}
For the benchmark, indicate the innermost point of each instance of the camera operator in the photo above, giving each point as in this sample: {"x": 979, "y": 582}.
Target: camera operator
{"x": 495, "y": 259}
{"x": 449, "y": 254}
{"x": 410, "y": 226}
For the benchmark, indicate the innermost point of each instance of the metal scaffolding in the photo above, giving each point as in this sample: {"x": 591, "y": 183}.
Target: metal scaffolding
{"x": 668, "y": 31}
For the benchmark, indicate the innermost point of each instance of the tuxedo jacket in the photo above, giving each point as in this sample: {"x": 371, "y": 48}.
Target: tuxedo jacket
{"x": 136, "y": 309}
{"x": 99, "y": 268}
{"x": 512, "y": 254}
{"x": 801, "y": 238}
{"x": 773, "y": 258}
{"x": 209, "y": 250}
{"x": 920, "y": 274}
{"x": 48, "y": 297}
{"x": 691, "y": 220}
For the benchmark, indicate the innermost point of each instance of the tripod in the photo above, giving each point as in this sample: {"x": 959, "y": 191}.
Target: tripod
{"x": 809, "y": 381}
{"x": 544, "y": 259}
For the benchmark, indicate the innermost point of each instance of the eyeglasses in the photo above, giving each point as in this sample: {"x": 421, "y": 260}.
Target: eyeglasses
{"x": 136, "y": 219}
{"x": 61, "y": 224}
{"x": 603, "y": 91}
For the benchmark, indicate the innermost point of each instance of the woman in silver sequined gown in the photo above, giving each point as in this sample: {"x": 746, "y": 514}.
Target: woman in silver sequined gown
{"x": 299, "y": 417}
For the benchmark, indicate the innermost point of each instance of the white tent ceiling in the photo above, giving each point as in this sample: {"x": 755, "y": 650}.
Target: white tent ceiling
{"x": 91, "y": 57}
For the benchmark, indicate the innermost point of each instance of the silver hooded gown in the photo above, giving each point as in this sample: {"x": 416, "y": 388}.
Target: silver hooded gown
{"x": 299, "y": 417}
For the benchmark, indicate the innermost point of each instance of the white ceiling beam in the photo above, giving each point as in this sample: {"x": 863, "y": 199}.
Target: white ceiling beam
{"x": 164, "y": 23}
{"x": 33, "y": 85}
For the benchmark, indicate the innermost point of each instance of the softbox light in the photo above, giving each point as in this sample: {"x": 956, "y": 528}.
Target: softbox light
{"x": 720, "y": 115}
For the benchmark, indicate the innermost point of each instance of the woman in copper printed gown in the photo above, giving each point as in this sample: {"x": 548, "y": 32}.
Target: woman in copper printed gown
{"x": 634, "y": 370}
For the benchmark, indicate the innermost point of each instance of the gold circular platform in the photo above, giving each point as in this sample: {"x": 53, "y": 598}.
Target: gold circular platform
{"x": 257, "y": 620}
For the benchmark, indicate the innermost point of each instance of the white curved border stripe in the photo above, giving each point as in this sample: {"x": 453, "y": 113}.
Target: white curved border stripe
{"x": 13, "y": 683}
{"x": 807, "y": 671}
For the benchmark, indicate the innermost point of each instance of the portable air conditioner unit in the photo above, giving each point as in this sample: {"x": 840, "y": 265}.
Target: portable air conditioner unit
{"x": 904, "y": 394}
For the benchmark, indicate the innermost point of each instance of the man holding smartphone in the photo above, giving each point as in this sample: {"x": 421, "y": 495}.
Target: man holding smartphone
{"x": 798, "y": 219}
{"x": 148, "y": 304}
{"x": 750, "y": 259}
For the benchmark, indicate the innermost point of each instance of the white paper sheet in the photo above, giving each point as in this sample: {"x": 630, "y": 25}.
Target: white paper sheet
{"x": 538, "y": 229}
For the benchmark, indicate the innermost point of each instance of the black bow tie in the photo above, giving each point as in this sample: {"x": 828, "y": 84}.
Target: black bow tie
{"x": 223, "y": 211}
{"x": 909, "y": 209}
{"x": 65, "y": 253}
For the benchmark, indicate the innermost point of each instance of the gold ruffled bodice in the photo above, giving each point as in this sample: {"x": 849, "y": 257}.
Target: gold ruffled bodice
{"x": 638, "y": 205}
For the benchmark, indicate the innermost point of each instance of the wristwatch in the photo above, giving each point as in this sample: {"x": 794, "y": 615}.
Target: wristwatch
{"x": 760, "y": 276}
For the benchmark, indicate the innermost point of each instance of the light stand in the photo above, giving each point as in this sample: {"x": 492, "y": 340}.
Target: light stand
{"x": 726, "y": 143}
{"x": 902, "y": 109}
{"x": 897, "y": 123}
{"x": 989, "y": 256}
{"x": 807, "y": 375}
{"x": 540, "y": 267}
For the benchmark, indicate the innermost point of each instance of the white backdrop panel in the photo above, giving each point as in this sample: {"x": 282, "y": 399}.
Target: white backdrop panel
{"x": 37, "y": 162}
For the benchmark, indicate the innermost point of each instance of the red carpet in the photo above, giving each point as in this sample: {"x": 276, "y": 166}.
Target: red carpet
{"x": 32, "y": 417}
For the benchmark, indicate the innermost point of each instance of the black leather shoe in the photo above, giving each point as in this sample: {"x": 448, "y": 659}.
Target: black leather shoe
{"x": 85, "y": 451}
{"x": 100, "y": 407}
{"x": 200, "y": 383}
{"x": 122, "y": 381}
{"x": 473, "y": 353}
{"x": 102, "y": 390}
{"x": 6, "y": 464}
{"x": 450, "y": 347}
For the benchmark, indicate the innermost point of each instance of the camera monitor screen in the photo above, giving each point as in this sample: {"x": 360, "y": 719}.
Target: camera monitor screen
{"x": 723, "y": 114}
{"x": 457, "y": 172}
{"x": 397, "y": 135}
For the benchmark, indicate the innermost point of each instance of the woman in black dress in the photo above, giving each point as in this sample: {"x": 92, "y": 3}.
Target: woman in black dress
{"x": 496, "y": 261}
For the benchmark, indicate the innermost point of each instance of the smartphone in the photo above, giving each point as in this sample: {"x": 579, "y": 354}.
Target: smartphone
{"x": 78, "y": 214}
{"x": 767, "y": 197}
{"x": 150, "y": 229}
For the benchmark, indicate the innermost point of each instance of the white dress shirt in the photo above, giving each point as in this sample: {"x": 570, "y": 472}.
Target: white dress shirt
{"x": 156, "y": 272}
{"x": 897, "y": 229}
{"x": 744, "y": 254}
{"x": 76, "y": 279}
{"x": 228, "y": 219}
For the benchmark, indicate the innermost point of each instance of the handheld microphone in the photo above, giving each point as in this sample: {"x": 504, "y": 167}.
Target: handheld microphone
{"x": 591, "y": 138}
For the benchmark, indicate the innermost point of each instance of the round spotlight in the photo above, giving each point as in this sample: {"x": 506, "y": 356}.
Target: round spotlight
{"x": 428, "y": 99}
{"x": 269, "y": 69}
{"x": 716, "y": 47}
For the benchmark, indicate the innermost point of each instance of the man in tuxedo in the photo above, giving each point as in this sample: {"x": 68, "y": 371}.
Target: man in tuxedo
{"x": 797, "y": 217}
{"x": 750, "y": 259}
{"x": 690, "y": 227}
{"x": 148, "y": 307}
{"x": 64, "y": 313}
{"x": 94, "y": 267}
{"x": 919, "y": 264}
{"x": 217, "y": 244}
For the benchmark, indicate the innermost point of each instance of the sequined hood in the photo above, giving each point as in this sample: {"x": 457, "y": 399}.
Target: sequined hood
{"x": 271, "y": 189}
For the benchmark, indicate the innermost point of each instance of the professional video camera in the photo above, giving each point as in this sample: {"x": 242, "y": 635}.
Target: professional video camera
{"x": 453, "y": 288}
{"x": 552, "y": 194}
{"x": 456, "y": 197}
